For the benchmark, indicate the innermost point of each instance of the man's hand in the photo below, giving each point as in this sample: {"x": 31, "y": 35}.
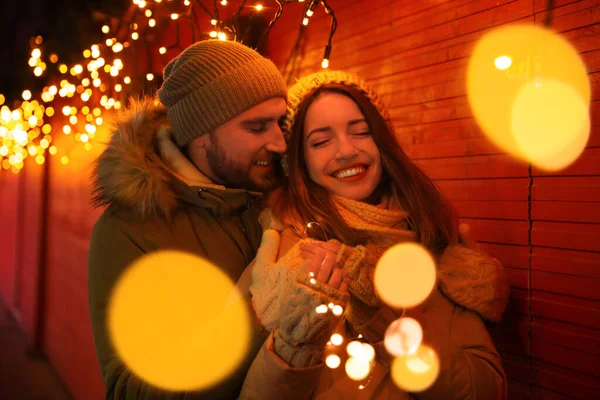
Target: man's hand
{"x": 465, "y": 237}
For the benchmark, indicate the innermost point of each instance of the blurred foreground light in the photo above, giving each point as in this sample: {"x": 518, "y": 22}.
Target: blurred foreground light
{"x": 416, "y": 372}
{"x": 191, "y": 328}
{"x": 530, "y": 93}
{"x": 405, "y": 275}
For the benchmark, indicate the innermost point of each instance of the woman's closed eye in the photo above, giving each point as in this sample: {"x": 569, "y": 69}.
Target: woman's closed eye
{"x": 362, "y": 134}
{"x": 319, "y": 143}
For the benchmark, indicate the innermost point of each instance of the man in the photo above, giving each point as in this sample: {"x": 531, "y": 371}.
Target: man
{"x": 184, "y": 173}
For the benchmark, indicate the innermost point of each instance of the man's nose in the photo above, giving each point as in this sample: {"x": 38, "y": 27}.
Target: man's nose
{"x": 276, "y": 142}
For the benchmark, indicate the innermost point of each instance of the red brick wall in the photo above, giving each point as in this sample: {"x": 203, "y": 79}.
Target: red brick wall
{"x": 545, "y": 228}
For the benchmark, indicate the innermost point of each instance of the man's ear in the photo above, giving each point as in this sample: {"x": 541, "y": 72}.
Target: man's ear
{"x": 201, "y": 141}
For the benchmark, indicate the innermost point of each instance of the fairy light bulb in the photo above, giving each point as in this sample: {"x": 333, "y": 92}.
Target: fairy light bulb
{"x": 333, "y": 361}
{"x": 357, "y": 369}
{"x": 354, "y": 348}
{"x": 117, "y": 47}
{"x": 135, "y": 35}
{"x": 322, "y": 309}
{"x": 325, "y": 63}
{"x": 309, "y": 13}
{"x": 148, "y": 13}
{"x": 105, "y": 29}
{"x": 150, "y": 76}
{"x": 337, "y": 310}
{"x": 127, "y": 80}
{"x": 174, "y": 16}
{"x": 162, "y": 50}
{"x": 36, "y": 53}
{"x": 186, "y": 2}
{"x": 213, "y": 22}
{"x": 305, "y": 21}
{"x": 152, "y": 22}
{"x": 224, "y": 2}
{"x": 222, "y": 36}
{"x": 258, "y": 7}
{"x": 213, "y": 34}
{"x": 337, "y": 339}
{"x": 403, "y": 337}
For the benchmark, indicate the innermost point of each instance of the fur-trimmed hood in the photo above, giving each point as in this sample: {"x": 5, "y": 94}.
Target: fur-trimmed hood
{"x": 143, "y": 170}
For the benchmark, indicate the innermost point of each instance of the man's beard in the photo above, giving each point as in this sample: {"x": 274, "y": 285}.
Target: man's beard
{"x": 237, "y": 175}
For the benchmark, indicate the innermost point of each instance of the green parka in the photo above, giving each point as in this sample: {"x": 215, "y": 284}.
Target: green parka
{"x": 157, "y": 200}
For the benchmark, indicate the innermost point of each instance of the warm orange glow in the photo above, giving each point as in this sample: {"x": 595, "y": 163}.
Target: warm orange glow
{"x": 511, "y": 66}
{"x": 405, "y": 275}
{"x": 416, "y": 372}
{"x": 206, "y": 349}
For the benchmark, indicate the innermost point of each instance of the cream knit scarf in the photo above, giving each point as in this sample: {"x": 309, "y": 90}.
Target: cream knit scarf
{"x": 468, "y": 277}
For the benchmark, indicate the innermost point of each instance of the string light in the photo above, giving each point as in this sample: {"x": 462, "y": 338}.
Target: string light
{"x": 26, "y": 130}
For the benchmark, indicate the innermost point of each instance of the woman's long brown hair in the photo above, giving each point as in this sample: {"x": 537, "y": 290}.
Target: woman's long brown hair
{"x": 301, "y": 200}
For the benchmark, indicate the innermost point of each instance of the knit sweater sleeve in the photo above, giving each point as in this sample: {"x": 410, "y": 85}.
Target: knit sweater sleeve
{"x": 474, "y": 280}
{"x": 270, "y": 274}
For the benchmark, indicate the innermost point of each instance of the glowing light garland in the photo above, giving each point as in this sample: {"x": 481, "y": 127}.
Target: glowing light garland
{"x": 98, "y": 82}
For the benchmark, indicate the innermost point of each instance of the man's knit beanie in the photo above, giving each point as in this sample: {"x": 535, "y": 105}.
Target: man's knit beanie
{"x": 213, "y": 81}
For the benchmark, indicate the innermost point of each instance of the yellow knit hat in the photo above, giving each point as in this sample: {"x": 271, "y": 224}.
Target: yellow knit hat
{"x": 307, "y": 84}
{"x": 213, "y": 81}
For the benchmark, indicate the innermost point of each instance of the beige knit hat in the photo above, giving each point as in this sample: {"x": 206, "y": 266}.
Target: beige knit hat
{"x": 213, "y": 81}
{"x": 307, "y": 84}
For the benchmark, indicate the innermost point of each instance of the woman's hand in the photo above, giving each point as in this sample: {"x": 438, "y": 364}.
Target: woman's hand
{"x": 320, "y": 262}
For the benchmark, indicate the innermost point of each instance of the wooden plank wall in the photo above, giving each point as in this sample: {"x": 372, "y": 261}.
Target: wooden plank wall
{"x": 544, "y": 227}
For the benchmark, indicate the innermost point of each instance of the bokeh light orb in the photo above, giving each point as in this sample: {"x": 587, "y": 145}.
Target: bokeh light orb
{"x": 416, "y": 372}
{"x": 403, "y": 337}
{"x": 513, "y": 65}
{"x": 551, "y": 124}
{"x": 405, "y": 275}
{"x": 333, "y": 361}
{"x": 357, "y": 369}
{"x": 178, "y": 322}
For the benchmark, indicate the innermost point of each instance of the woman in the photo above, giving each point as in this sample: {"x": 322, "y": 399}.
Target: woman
{"x": 352, "y": 185}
